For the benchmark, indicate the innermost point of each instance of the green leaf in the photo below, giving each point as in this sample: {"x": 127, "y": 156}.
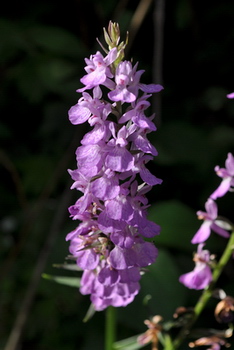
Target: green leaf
{"x": 128, "y": 344}
{"x": 178, "y": 224}
{"x": 182, "y": 143}
{"x": 168, "y": 344}
{"x": 183, "y": 14}
{"x": 12, "y": 40}
{"x": 91, "y": 311}
{"x": 56, "y": 40}
{"x": 221, "y": 139}
{"x": 51, "y": 73}
{"x": 68, "y": 281}
{"x": 35, "y": 170}
{"x": 161, "y": 282}
{"x": 71, "y": 267}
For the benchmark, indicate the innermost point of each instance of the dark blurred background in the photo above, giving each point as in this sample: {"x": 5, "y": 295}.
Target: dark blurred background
{"x": 187, "y": 46}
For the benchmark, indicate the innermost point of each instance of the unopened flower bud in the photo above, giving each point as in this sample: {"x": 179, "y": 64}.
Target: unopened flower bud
{"x": 112, "y": 35}
{"x": 224, "y": 311}
{"x": 215, "y": 342}
{"x": 112, "y": 38}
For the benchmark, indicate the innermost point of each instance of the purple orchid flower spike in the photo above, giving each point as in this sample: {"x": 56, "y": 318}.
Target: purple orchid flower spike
{"x": 109, "y": 242}
{"x": 201, "y": 276}
{"x": 211, "y": 222}
{"x": 227, "y": 174}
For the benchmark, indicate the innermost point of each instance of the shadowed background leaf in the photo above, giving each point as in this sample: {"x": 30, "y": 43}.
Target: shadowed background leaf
{"x": 43, "y": 46}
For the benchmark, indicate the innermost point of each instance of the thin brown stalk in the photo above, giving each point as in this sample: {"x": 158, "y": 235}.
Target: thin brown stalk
{"x": 137, "y": 20}
{"x": 24, "y": 310}
{"x": 159, "y": 16}
{"x": 15, "y": 176}
{"x": 34, "y": 212}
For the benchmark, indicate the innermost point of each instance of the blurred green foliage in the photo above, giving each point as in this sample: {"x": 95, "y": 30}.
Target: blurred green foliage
{"x": 42, "y": 50}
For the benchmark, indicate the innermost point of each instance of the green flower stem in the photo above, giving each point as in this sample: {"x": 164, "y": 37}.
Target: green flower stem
{"x": 207, "y": 293}
{"x": 110, "y": 328}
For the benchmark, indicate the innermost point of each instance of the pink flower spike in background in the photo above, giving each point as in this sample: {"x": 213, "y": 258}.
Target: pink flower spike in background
{"x": 201, "y": 276}
{"x": 227, "y": 174}
{"x": 231, "y": 95}
{"x": 210, "y": 223}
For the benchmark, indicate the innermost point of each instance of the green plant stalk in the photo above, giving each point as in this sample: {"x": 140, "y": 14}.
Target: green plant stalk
{"x": 207, "y": 293}
{"x": 110, "y": 328}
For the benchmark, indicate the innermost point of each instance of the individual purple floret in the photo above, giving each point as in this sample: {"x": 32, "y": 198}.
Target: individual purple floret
{"x": 124, "y": 79}
{"x": 98, "y": 70}
{"x": 112, "y": 178}
{"x": 201, "y": 276}
{"x": 227, "y": 174}
{"x": 211, "y": 222}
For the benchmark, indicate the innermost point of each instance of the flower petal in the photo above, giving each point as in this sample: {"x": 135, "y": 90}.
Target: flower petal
{"x": 219, "y": 230}
{"x": 119, "y": 159}
{"x": 222, "y": 189}
{"x": 203, "y": 233}
{"x": 197, "y": 279}
{"x": 78, "y": 114}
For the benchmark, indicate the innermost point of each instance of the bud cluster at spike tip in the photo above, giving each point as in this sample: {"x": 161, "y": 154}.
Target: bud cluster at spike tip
{"x": 108, "y": 244}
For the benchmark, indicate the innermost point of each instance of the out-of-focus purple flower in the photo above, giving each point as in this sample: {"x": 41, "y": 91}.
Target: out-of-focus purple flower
{"x": 108, "y": 243}
{"x": 231, "y": 95}
{"x": 201, "y": 276}
{"x": 211, "y": 222}
{"x": 227, "y": 174}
